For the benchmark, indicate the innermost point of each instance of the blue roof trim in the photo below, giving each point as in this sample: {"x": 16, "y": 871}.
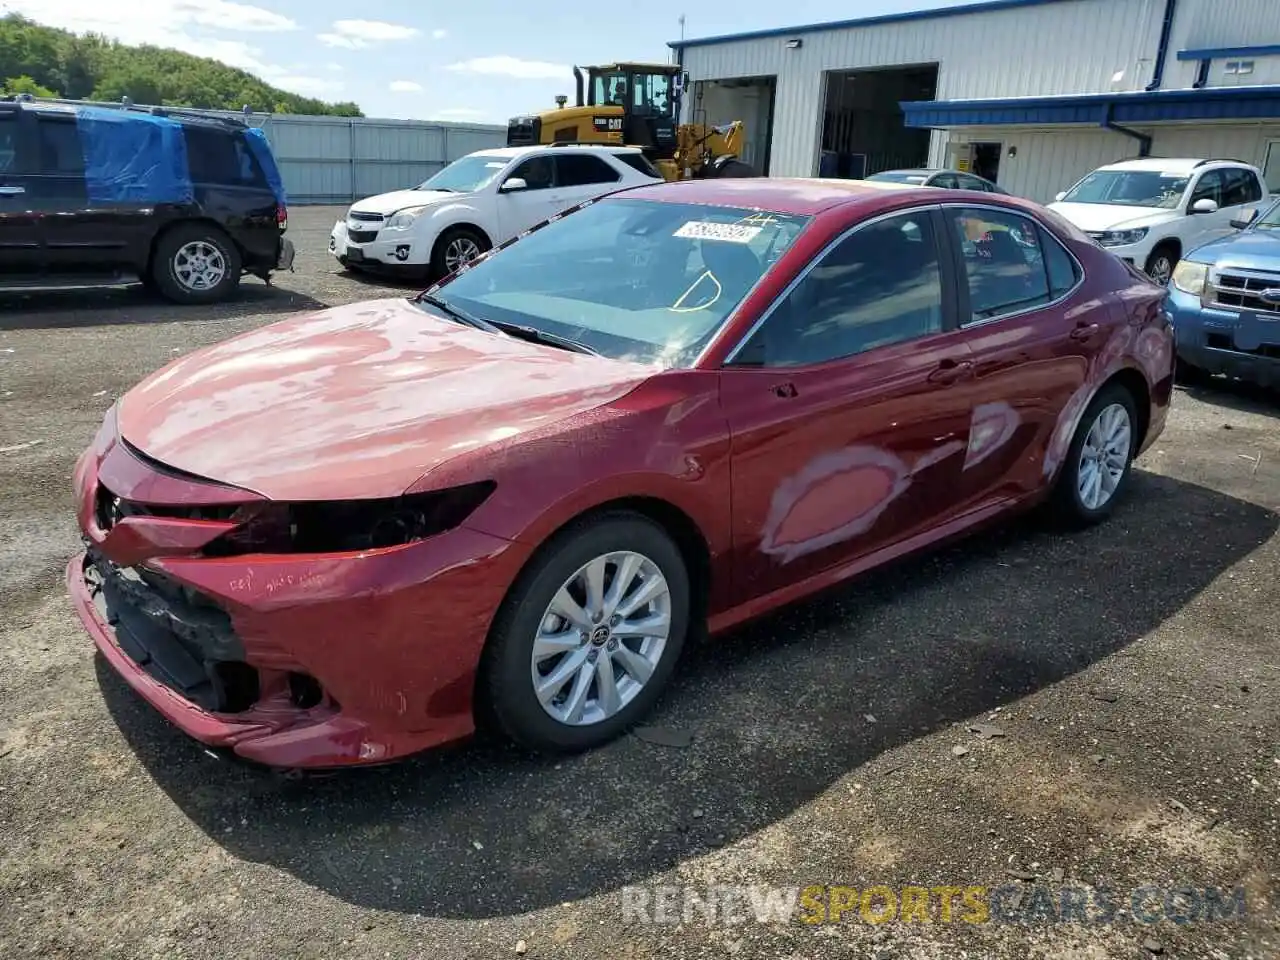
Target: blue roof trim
{"x": 986, "y": 6}
{"x": 1212, "y": 103}
{"x": 1221, "y": 53}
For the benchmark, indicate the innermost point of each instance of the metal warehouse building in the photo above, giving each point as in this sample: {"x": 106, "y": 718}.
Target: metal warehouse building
{"x": 1030, "y": 93}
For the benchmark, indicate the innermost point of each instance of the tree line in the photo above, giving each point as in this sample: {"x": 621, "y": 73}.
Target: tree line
{"x": 47, "y": 62}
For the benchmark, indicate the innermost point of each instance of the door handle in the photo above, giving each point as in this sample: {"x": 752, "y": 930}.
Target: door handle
{"x": 1085, "y": 331}
{"x": 12, "y": 191}
{"x": 949, "y": 371}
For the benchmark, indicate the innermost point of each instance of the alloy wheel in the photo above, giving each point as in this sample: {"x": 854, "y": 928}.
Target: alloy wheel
{"x": 1104, "y": 457}
{"x": 199, "y": 265}
{"x": 459, "y": 251}
{"x": 601, "y": 638}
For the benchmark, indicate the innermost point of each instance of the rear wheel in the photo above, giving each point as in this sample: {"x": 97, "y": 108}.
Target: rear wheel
{"x": 195, "y": 263}
{"x": 589, "y": 636}
{"x": 1097, "y": 465}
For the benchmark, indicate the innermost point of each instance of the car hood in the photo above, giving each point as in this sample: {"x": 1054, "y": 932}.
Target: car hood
{"x": 1250, "y": 249}
{"x": 388, "y": 203}
{"x": 1097, "y": 217}
{"x": 356, "y": 401}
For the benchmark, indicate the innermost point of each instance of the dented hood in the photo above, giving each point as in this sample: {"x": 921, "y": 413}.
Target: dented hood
{"x": 356, "y": 401}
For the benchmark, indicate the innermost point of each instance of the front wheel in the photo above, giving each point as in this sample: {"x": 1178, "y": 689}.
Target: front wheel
{"x": 456, "y": 247}
{"x": 589, "y": 636}
{"x": 1160, "y": 264}
{"x": 1098, "y": 460}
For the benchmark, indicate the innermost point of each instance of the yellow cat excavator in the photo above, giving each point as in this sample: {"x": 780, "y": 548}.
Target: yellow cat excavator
{"x": 637, "y": 105}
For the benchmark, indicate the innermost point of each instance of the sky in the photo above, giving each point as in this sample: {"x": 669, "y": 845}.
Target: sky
{"x": 480, "y": 61}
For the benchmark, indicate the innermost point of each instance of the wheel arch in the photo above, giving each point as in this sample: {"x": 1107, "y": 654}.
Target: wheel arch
{"x": 1134, "y": 383}
{"x": 684, "y": 532}
{"x": 460, "y": 224}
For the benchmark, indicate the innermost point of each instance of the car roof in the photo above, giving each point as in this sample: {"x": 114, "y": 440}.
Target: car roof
{"x": 800, "y": 196}
{"x": 1183, "y": 165}
{"x": 512, "y": 153}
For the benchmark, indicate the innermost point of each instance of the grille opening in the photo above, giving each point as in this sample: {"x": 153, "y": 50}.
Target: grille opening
{"x": 304, "y": 691}
{"x": 239, "y": 683}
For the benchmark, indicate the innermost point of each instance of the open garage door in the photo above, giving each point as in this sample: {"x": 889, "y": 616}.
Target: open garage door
{"x": 862, "y": 128}
{"x": 749, "y": 99}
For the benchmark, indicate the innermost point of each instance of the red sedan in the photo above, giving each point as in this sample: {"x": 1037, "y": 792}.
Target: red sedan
{"x": 335, "y": 539}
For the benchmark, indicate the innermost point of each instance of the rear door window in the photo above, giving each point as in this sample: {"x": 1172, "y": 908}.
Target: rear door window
{"x": 1005, "y": 268}
{"x": 582, "y": 169}
{"x": 221, "y": 157}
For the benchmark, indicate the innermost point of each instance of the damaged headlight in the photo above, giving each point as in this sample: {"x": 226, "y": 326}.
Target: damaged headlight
{"x": 347, "y": 526}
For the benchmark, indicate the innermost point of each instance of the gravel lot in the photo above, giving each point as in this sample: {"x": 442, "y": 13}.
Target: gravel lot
{"x": 1133, "y": 671}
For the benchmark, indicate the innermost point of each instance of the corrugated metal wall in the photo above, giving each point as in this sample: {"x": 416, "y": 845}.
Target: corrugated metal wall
{"x": 343, "y": 159}
{"x": 1214, "y": 24}
{"x": 1071, "y": 46}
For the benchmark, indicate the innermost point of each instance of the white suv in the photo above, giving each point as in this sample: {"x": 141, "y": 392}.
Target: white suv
{"x": 480, "y": 201}
{"x": 1152, "y": 212}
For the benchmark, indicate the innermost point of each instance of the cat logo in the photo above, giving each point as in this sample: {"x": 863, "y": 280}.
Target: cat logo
{"x": 607, "y": 124}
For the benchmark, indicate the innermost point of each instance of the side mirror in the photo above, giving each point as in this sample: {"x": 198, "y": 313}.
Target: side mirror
{"x": 1204, "y": 206}
{"x": 513, "y": 183}
{"x": 1059, "y": 195}
{"x": 1245, "y": 219}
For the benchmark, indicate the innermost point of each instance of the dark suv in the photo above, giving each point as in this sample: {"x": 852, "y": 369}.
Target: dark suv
{"x": 97, "y": 196}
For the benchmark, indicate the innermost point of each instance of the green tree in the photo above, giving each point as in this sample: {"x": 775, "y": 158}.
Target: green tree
{"x": 25, "y": 84}
{"x": 93, "y": 67}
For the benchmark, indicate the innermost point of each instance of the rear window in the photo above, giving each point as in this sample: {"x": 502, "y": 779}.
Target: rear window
{"x": 638, "y": 161}
{"x": 219, "y": 156}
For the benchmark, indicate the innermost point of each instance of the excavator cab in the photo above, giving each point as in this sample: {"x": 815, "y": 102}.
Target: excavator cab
{"x": 641, "y": 101}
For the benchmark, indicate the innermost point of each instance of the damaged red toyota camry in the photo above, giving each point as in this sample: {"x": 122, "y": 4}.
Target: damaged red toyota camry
{"x": 341, "y": 538}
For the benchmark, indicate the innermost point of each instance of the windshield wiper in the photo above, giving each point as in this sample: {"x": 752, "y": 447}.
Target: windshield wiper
{"x": 456, "y": 314}
{"x": 534, "y": 335}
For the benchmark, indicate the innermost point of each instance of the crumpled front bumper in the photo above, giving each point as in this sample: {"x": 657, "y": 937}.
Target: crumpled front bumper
{"x": 391, "y": 637}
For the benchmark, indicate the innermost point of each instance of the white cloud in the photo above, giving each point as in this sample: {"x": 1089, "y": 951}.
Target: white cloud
{"x": 404, "y": 86}
{"x": 504, "y": 66}
{"x": 373, "y": 31}
{"x": 439, "y": 34}
{"x": 334, "y": 67}
{"x": 338, "y": 40}
{"x": 159, "y": 22}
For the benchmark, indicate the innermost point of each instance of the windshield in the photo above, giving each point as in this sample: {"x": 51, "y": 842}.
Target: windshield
{"x": 1130, "y": 188}
{"x": 1270, "y": 219}
{"x": 636, "y": 280}
{"x": 465, "y": 175}
{"x": 900, "y": 176}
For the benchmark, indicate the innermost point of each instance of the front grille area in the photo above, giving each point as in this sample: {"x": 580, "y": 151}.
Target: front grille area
{"x": 364, "y": 217}
{"x": 177, "y": 635}
{"x": 362, "y": 236}
{"x": 110, "y": 510}
{"x": 1241, "y": 291}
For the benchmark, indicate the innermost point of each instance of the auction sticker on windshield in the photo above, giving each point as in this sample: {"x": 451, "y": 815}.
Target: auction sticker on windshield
{"x": 728, "y": 232}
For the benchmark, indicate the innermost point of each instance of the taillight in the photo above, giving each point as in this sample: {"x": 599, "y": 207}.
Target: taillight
{"x": 282, "y": 216}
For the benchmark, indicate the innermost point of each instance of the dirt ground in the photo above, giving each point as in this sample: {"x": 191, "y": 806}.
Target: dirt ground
{"x": 1133, "y": 673}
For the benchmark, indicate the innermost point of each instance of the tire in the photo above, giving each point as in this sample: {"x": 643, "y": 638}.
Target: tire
{"x": 1159, "y": 266}
{"x": 1068, "y": 502}
{"x": 188, "y": 243}
{"x": 508, "y": 667}
{"x": 448, "y": 243}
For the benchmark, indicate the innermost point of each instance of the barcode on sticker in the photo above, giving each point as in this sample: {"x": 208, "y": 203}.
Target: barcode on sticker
{"x": 728, "y": 232}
